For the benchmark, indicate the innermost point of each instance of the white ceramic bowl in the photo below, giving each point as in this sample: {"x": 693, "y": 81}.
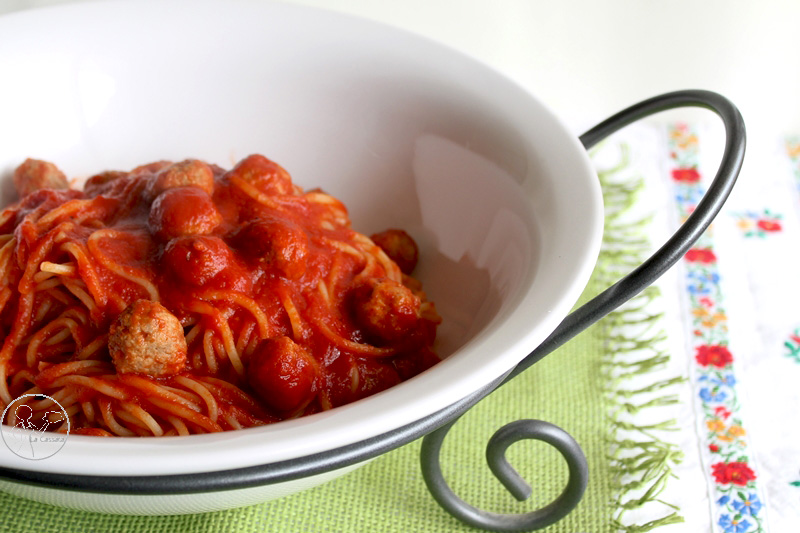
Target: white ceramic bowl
{"x": 500, "y": 196}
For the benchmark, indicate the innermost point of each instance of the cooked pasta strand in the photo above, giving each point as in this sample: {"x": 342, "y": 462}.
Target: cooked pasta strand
{"x": 94, "y": 248}
{"x": 101, "y": 386}
{"x": 180, "y": 427}
{"x": 203, "y": 392}
{"x": 60, "y": 269}
{"x": 144, "y": 417}
{"x": 107, "y": 413}
{"x": 154, "y": 391}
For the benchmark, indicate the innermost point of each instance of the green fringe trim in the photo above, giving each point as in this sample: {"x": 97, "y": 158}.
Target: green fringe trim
{"x": 641, "y": 462}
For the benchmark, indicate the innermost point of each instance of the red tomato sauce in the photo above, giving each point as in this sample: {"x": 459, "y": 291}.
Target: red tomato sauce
{"x": 261, "y": 302}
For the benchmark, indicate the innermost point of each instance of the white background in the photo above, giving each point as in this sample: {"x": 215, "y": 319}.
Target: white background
{"x": 587, "y": 58}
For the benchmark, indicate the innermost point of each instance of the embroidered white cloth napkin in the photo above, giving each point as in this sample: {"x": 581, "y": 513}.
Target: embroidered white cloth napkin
{"x": 732, "y": 328}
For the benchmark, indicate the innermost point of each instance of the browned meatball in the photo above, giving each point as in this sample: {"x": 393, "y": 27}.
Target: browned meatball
{"x": 279, "y": 243}
{"x": 387, "y": 310}
{"x": 147, "y": 339}
{"x": 148, "y": 169}
{"x": 400, "y": 248}
{"x": 34, "y": 174}
{"x": 189, "y": 173}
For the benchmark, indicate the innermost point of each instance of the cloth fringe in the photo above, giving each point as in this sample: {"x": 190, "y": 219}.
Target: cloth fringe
{"x": 641, "y": 461}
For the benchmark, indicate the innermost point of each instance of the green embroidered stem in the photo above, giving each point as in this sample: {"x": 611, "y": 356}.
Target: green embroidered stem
{"x": 641, "y": 461}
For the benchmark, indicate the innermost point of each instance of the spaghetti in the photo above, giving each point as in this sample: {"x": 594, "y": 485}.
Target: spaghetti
{"x": 182, "y": 298}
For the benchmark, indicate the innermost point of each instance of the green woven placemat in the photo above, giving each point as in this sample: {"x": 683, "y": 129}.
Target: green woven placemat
{"x": 568, "y": 388}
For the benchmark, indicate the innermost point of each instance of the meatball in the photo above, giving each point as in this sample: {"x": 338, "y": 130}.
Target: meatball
{"x": 189, "y": 173}
{"x": 147, "y": 339}
{"x": 183, "y": 211}
{"x": 387, "y": 310}
{"x": 263, "y": 174}
{"x": 283, "y": 374}
{"x": 400, "y": 248}
{"x": 197, "y": 259}
{"x": 34, "y": 174}
{"x": 280, "y": 243}
{"x": 102, "y": 183}
{"x": 148, "y": 169}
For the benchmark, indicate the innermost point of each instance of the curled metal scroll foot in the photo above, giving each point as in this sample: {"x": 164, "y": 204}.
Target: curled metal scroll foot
{"x": 514, "y": 483}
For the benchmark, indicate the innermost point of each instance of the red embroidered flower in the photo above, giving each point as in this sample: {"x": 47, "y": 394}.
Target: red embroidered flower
{"x": 736, "y": 472}
{"x": 722, "y": 412}
{"x": 713, "y": 448}
{"x": 686, "y": 175}
{"x": 701, "y": 255}
{"x": 714, "y": 354}
{"x": 769, "y": 225}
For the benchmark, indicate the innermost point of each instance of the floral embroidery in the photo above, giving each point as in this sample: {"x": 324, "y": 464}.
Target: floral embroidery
{"x": 753, "y": 224}
{"x": 750, "y": 506}
{"x": 793, "y": 151}
{"x": 702, "y": 282}
{"x": 735, "y": 472}
{"x": 733, "y": 525}
{"x": 715, "y": 355}
{"x": 708, "y": 319}
{"x": 747, "y": 504}
{"x": 793, "y": 148}
{"x": 686, "y": 175}
{"x": 730, "y": 471}
{"x": 701, "y": 255}
{"x": 792, "y": 344}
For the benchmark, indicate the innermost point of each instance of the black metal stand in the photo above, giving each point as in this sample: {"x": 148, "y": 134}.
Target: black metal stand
{"x": 582, "y": 318}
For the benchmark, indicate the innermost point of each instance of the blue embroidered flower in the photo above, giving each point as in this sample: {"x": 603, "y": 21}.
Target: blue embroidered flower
{"x": 689, "y": 194}
{"x": 725, "y": 499}
{"x": 701, "y": 283}
{"x": 749, "y": 506}
{"x": 704, "y": 276}
{"x": 699, "y": 289}
{"x": 707, "y": 395}
{"x": 730, "y": 525}
{"x": 727, "y": 379}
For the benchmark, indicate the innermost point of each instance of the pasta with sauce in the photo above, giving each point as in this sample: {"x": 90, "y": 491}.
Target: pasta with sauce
{"x": 182, "y": 298}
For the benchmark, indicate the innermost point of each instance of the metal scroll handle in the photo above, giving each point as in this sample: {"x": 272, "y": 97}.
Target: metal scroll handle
{"x": 675, "y": 247}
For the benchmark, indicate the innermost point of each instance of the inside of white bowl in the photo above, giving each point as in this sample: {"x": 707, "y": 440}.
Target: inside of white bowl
{"x": 409, "y": 134}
